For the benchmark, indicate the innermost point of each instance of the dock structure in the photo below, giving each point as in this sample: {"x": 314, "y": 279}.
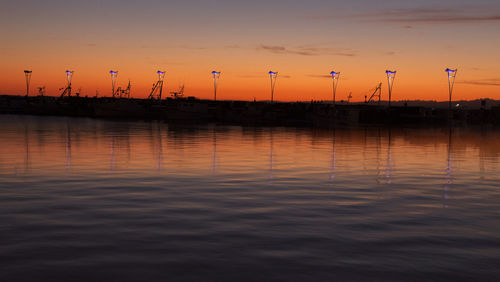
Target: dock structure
{"x": 316, "y": 113}
{"x": 310, "y": 114}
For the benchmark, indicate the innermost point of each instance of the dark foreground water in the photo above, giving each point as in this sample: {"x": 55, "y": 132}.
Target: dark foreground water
{"x": 93, "y": 200}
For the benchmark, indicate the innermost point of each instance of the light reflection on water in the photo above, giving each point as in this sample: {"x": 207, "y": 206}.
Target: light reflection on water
{"x": 84, "y": 199}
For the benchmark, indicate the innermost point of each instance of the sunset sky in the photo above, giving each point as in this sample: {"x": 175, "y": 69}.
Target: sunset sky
{"x": 301, "y": 40}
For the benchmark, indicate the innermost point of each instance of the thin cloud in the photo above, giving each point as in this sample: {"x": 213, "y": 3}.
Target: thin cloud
{"x": 319, "y": 75}
{"x": 430, "y": 15}
{"x": 482, "y": 82}
{"x": 445, "y": 20}
{"x": 324, "y": 76}
{"x": 274, "y": 49}
{"x": 263, "y": 75}
{"x": 306, "y": 50}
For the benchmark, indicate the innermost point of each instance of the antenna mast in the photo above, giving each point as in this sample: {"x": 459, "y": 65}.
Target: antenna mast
{"x": 157, "y": 87}
{"x": 179, "y": 93}
{"x": 377, "y": 92}
{"x": 67, "y": 90}
{"x": 41, "y": 91}
{"x": 127, "y": 91}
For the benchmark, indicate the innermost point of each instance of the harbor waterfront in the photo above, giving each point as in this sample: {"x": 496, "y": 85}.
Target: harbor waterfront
{"x": 308, "y": 114}
{"x": 84, "y": 199}
{"x": 235, "y": 141}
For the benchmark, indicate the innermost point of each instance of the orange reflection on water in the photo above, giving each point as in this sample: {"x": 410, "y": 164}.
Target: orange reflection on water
{"x": 34, "y": 145}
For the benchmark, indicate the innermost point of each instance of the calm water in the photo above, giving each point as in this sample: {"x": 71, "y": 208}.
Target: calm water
{"x": 94, "y": 200}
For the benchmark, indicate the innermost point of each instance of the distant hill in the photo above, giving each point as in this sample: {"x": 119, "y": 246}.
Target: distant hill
{"x": 464, "y": 104}
{"x": 473, "y": 104}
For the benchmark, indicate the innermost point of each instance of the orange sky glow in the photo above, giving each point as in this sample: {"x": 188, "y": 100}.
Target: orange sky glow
{"x": 303, "y": 43}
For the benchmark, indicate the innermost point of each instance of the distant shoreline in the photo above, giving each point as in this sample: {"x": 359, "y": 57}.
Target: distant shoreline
{"x": 304, "y": 114}
{"x": 469, "y": 104}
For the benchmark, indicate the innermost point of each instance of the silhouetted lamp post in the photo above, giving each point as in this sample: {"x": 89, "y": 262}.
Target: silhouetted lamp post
{"x": 114, "y": 75}
{"x": 391, "y": 76}
{"x": 273, "y": 75}
{"x": 216, "y": 75}
{"x": 27, "y": 74}
{"x": 335, "y": 77}
{"x": 452, "y": 73}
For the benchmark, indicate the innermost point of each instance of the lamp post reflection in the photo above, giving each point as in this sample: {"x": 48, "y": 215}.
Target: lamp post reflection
{"x": 332, "y": 165}
{"x": 214, "y": 157}
{"x": 68, "y": 148}
{"x": 271, "y": 153}
{"x": 388, "y": 171}
{"x": 448, "y": 180}
{"x": 112, "y": 159}
{"x": 160, "y": 148}
{"x": 379, "y": 152}
{"x": 27, "y": 156}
